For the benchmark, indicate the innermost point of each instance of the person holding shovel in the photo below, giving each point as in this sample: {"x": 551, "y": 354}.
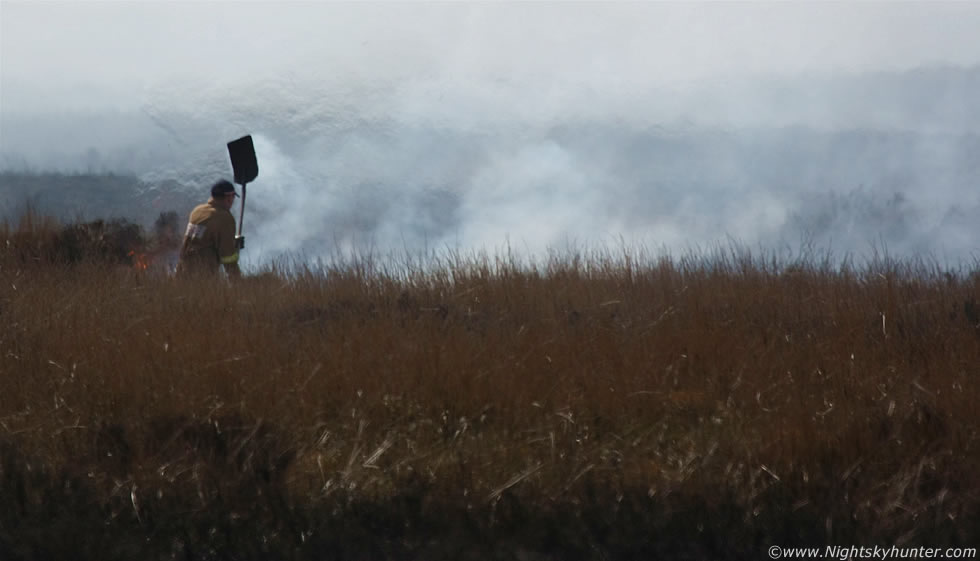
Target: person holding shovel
{"x": 210, "y": 241}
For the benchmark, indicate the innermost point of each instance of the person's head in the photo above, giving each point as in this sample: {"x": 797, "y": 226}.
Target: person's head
{"x": 223, "y": 193}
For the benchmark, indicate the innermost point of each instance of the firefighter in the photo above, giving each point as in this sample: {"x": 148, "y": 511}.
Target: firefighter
{"x": 210, "y": 240}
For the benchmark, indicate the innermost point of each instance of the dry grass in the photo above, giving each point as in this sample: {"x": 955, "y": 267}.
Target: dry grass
{"x": 598, "y": 404}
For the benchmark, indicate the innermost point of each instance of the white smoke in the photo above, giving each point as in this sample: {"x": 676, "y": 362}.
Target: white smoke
{"x": 529, "y": 126}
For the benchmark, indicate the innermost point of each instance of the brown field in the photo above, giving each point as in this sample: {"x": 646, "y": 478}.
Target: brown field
{"x": 603, "y": 405}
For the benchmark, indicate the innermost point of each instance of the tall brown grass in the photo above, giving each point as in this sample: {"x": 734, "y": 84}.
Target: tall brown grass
{"x": 596, "y": 404}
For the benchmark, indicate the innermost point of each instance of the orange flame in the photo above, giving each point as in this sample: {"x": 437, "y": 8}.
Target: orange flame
{"x": 141, "y": 261}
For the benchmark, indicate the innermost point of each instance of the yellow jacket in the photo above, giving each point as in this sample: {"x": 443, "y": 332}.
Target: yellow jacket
{"x": 209, "y": 241}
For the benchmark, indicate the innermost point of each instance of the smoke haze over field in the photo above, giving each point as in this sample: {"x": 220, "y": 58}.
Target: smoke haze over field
{"x": 478, "y": 125}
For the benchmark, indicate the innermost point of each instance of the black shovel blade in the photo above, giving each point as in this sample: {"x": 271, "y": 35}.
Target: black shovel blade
{"x": 243, "y": 161}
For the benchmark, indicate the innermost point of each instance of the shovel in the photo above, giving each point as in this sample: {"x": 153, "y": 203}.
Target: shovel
{"x": 246, "y": 167}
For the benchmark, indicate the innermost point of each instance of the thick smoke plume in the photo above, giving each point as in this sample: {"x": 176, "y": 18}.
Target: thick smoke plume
{"x": 571, "y": 147}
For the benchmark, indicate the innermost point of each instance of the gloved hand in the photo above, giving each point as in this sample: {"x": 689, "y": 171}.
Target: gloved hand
{"x": 239, "y": 242}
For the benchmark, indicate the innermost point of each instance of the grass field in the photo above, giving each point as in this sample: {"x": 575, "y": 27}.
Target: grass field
{"x": 603, "y": 404}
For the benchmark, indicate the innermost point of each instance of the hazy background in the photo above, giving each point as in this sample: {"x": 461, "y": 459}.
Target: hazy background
{"x": 475, "y": 125}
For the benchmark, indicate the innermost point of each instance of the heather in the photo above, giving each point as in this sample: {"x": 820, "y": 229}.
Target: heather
{"x": 590, "y": 403}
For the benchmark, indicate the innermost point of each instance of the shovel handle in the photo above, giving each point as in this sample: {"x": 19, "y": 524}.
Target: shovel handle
{"x": 241, "y": 214}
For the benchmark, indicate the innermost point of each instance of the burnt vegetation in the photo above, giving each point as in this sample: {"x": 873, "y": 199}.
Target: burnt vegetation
{"x": 603, "y": 404}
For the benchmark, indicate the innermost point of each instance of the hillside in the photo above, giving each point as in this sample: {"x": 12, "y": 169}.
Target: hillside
{"x": 465, "y": 406}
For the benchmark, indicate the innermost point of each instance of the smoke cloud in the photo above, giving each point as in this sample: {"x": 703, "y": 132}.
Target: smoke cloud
{"x": 480, "y": 126}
